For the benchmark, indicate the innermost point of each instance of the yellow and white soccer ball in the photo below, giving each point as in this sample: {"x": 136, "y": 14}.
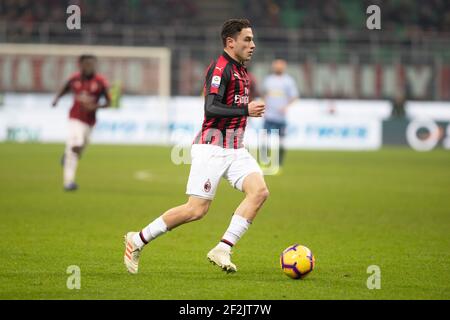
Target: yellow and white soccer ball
{"x": 297, "y": 261}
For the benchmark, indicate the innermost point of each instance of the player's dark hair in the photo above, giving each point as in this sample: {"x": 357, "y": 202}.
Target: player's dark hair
{"x": 86, "y": 57}
{"x": 232, "y": 27}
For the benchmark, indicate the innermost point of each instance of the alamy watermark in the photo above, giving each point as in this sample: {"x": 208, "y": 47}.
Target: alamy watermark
{"x": 74, "y": 278}
{"x": 374, "y": 280}
{"x": 373, "y": 22}
{"x": 266, "y": 150}
{"x": 73, "y": 21}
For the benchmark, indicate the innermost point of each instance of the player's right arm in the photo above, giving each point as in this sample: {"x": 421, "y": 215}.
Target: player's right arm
{"x": 61, "y": 92}
{"x": 217, "y": 79}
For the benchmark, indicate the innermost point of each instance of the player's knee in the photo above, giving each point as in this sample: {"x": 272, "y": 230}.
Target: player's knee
{"x": 260, "y": 195}
{"x": 264, "y": 194}
{"x": 196, "y": 212}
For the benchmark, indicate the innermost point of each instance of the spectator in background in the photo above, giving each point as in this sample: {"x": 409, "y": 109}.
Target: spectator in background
{"x": 280, "y": 91}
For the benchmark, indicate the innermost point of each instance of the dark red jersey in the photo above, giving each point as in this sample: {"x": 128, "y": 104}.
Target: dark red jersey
{"x": 86, "y": 88}
{"x": 226, "y": 91}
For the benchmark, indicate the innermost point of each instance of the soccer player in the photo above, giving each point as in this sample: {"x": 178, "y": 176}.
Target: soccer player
{"x": 280, "y": 92}
{"x": 217, "y": 152}
{"x": 88, "y": 87}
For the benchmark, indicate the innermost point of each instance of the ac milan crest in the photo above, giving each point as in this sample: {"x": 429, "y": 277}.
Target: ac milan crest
{"x": 207, "y": 186}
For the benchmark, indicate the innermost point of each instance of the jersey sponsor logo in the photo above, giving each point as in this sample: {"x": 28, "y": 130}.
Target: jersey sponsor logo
{"x": 207, "y": 186}
{"x": 238, "y": 99}
{"x": 215, "y": 82}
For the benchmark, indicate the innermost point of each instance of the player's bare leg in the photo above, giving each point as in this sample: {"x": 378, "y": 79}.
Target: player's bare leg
{"x": 194, "y": 209}
{"x": 256, "y": 193}
{"x": 71, "y": 157}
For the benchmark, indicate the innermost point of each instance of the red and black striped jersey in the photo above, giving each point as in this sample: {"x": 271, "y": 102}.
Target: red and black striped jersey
{"x": 94, "y": 87}
{"x": 226, "y": 91}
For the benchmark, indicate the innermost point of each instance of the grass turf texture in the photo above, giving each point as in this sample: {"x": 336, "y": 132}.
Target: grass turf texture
{"x": 389, "y": 208}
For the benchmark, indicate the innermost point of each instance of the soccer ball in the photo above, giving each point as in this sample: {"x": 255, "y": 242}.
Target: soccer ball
{"x": 297, "y": 261}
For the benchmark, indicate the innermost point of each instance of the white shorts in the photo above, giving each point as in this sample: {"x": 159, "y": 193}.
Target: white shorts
{"x": 78, "y": 135}
{"x": 210, "y": 163}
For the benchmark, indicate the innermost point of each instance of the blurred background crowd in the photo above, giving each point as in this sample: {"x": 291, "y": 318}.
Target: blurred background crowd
{"x": 402, "y": 16}
{"x": 305, "y": 33}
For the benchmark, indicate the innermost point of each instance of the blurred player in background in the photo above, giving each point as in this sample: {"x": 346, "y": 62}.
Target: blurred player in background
{"x": 280, "y": 92}
{"x": 88, "y": 87}
{"x": 217, "y": 152}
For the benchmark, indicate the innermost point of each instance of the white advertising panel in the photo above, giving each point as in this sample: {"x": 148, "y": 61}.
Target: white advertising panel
{"x": 152, "y": 120}
{"x": 435, "y": 110}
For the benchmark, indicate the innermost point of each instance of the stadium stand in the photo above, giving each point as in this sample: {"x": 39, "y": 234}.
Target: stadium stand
{"x": 413, "y": 32}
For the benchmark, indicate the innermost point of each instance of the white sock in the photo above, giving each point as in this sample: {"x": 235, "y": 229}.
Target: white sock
{"x": 238, "y": 226}
{"x": 70, "y": 167}
{"x": 224, "y": 246}
{"x": 152, "y": 231}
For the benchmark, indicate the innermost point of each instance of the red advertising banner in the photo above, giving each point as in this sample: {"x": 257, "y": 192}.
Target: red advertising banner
{"x": 45, "y": 68}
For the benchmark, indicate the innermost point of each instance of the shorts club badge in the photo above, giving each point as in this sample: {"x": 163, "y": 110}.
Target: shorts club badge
{"x": 207, "y": 186}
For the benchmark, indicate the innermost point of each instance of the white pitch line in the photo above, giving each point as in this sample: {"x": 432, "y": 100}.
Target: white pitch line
{"x": 148, "y": 176}
{"x": 144, "y": 175}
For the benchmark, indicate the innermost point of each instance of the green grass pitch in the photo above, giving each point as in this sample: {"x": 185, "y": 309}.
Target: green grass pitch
{"x": 389, "y": 208}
